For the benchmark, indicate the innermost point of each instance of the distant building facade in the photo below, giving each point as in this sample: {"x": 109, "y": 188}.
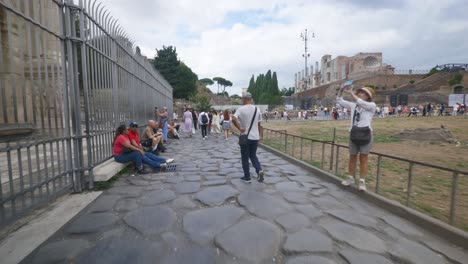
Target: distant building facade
{"x": 361, "y": 65}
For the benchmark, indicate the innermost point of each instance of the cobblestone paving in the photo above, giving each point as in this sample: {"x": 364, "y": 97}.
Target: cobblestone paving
{"x": 202, "y": 213}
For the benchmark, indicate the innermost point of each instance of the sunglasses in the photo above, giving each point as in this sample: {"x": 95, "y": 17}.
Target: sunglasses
{"x": 358, "y": 117}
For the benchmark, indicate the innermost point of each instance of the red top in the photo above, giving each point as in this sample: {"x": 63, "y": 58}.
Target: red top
{"x": 118, "y": 147}
{"x": 135, "y": 136}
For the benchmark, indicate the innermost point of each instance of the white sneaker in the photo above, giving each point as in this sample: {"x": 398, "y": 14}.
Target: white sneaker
{"x": 348, "y": 181}
{"x": 362, "y": 185}
{"x": 169, "y": 161}
{"x": 163, "y": 166}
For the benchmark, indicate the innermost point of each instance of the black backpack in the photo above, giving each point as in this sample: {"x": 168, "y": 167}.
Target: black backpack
{"x": 204, "y": 119}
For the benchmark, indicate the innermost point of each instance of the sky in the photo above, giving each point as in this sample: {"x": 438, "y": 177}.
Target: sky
{"x": 235, "y": 39}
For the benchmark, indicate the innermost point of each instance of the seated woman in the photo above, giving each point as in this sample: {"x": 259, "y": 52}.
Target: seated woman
{"x": 124, "y": 151}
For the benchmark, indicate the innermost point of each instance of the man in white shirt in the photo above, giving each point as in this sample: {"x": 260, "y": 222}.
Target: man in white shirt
{"x": 242, "y": 120}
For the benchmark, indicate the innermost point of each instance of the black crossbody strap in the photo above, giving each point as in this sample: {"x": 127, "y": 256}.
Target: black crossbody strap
{"x": 251, "y": 123}
{"x": 354, "y": 115}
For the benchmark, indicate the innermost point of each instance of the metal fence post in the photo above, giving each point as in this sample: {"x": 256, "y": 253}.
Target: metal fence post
{"x": 337, "y": 159}
{"x": 453, "y": 202}
{"x": 379, "y": 173}
{"x": 410, "y": 184}
{"x": 302, "y": 145}
{"x": 323, "y": 155}
{"x": 285, "y": 143}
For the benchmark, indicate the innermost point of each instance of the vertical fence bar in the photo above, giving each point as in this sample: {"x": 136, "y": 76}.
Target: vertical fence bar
{"x": 285, "y": 143}
{"x": 453, "y": 202}
{"x": 302, "y": 147}
{"x": 323, "y": 155}
{"x": 337, "y": 159}
{"x": 410, "y": 184}
{"x": 293, "y": 146}
{"x": 379, "y": 174}
{"x": 311, "y": 150}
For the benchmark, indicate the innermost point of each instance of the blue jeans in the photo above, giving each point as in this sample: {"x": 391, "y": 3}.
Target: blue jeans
{"x": 250, "y": 151}
{"x": 152, "y": 160}
{"x": 130, "y": 156}
{"x": 165, "y": 131}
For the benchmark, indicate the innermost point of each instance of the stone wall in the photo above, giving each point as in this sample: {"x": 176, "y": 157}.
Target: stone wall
{"x": 30, "y": 71}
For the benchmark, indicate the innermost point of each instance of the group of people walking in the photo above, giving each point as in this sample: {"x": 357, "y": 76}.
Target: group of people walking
{"x": 208, "y": 122}
{"x": 247, "y": 119}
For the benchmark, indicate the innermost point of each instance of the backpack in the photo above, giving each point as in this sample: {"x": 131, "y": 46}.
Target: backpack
{"x": 204, "y": 119}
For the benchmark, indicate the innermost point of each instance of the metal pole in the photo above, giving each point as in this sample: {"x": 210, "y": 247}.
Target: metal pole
{"x": 337, "y": 159}
{"x": 379, "y": 173}
{"x": 323, "y": 155}
{"x": 285, "y": 143}
{"x": 302, "y": 145}
{"x": 453, "y": 202}
{"x": 410, "y": 184}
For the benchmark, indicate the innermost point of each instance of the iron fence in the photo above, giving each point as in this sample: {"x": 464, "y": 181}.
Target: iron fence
{"x": 69, "y": 75}
{"x": 406, "y": 181}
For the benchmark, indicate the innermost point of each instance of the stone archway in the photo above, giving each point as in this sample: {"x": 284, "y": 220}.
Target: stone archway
{"x": 458, "y": 89}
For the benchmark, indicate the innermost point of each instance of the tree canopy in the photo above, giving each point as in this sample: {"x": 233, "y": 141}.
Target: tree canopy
{"x": 265, "y": 89}
{"x": 178, "y": 74}
{"x": 220, "y": 81}
{"x": 206, "y": 81}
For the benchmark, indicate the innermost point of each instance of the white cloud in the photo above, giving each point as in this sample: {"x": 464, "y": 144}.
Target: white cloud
{"x": 265, "y": 34}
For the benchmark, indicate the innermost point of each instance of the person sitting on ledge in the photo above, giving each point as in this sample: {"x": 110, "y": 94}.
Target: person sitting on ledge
{"x": 134, "y": 137}
{"x": 150, "y": 139}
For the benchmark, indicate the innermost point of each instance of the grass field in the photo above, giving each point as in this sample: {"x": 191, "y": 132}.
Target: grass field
{"x": 431, "y": 188}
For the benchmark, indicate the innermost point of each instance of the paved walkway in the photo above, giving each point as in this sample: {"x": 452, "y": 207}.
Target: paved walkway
{"x": 203, "y": 214}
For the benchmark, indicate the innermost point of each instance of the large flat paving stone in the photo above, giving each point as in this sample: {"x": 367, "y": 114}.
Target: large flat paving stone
{"x": 253, "y": 240}
{"x": 183, "y": 203}
{"x": 214, "y": 196}
{"x": 356, "y": 237}
{"x": 307, "y": 241}
{"x": 296, "y": 197}
{"x": 356, "y": 257}
{"x": 126, "y": 205}
{"x": 202, "y": 225}
{"x": 253, "y": 186}
{"x": 455, "y": 254}
{"x": 193, "y": 178}
{"x": 187, "y": 187}
{"x": 128, "y": 191}
{"x": 292, "y": 222}
{"x": 191, "y": 255}
{"x": 121, "y": 250}
{"x": 157, "y": 197}
{"x": 90, "y": 223}
{"x": 402, "y": 225}
{"x": 290, "y": 187}
{"x": 408, "y": 251}
{"x": 309, "y": 210}
{"x": 273, "y": 180}
{"x": 175, "y": 179}
{"x": 263, "y": 205}
{"x": 60, "y": 251}
{"x": 309, "y": 179}
{"x": 310, "y": 260}
{"x": 104, "y": 203}
{"x": 214, "y": 182}
{"x": 151, "y": 220}
{"x": 353, "y": 218}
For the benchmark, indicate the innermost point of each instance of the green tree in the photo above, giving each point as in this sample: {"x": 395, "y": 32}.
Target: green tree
{"x": 456, "y": 79}
{"x": 203, "y": 103}
{"x": 432, "y": 72}
{"x": 274, "y": 85}
{"x": 287, "y": 92}
{"x": 219, "y": 81}
{"x": 186, "y": 84}
{"x": 206, "y": 81}
{"x": 182, "y": 79}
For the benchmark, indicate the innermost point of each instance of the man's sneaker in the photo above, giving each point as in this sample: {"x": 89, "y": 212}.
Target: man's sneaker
{"x": 246, "y": 180}
{"x": 169, "y": 161}
{"x": 348, "y": 181}
{"x": 163, "y": 166}
{"x": 142, "y": 171}
{"x": 362, "y": 185}
{"x": 260, "y": 176}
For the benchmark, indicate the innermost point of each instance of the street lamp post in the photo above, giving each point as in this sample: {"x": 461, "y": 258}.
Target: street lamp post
{"x": 304, "y": 37}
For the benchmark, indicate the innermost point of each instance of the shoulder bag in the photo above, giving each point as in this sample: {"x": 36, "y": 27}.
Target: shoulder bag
{"x": 243, "y": 139}
{"x": 359, "y": 135}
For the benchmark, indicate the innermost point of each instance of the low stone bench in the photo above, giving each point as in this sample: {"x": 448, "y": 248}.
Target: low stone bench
{"x": 107, "y": 170}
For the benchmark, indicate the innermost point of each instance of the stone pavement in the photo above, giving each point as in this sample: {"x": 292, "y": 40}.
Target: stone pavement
{"x": 202, "y": 213}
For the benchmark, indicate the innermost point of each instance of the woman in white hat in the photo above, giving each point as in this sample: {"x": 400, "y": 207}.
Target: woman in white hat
{"x": 361, "y": 138}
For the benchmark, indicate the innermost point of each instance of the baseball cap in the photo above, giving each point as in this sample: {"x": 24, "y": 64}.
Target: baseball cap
{"x": 133, "y": 124}
{"x": 246, "y": 95}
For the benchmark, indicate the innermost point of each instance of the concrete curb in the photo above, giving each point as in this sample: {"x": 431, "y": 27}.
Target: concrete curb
{"x": 444, "y": 230}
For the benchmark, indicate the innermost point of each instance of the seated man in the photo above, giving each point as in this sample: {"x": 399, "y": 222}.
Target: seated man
{"x": 149, "y": 138}
{"x": 173, "y": 129}
{"x": 148, "y": 158}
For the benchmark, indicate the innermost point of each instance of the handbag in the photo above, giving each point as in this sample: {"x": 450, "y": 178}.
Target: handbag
{"x": 243, "y": 139}
{"x": 359, "y": 135}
